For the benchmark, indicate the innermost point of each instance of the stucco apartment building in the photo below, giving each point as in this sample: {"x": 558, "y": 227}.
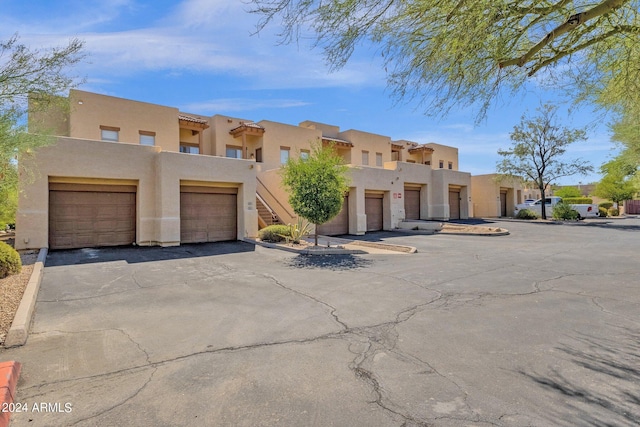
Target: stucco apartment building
{"x": 124, "y": 171}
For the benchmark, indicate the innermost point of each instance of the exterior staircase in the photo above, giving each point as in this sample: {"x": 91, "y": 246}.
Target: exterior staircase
{"x": 266, "y": 216}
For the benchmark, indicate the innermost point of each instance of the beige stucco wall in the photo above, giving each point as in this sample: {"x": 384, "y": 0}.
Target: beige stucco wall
{"x": 445, "y": 153}
{"x": 89, "y": 111}
{"x": 220, "y": 137}
{"x": 370, "y": 142}
{"x": 329, "y": 131}
{"x": 278, "y": 135}
{"x": 156, "y": 174}
{"x": 443, "y": 179}
{"x": 486, "y": 191}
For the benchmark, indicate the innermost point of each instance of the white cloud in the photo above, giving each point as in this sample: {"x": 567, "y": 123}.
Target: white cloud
{"x": 202, "y": 36}
{"x": 215, "y": 106}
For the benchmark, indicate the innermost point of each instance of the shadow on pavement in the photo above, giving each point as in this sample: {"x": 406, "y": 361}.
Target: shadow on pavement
{"x": 136, "y": 254}
{"x": 329, "y": 262}
{"x": 607, "y": 390}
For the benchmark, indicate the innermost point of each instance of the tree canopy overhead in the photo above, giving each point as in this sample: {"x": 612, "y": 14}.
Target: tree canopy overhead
{"x": 445, "y": 53}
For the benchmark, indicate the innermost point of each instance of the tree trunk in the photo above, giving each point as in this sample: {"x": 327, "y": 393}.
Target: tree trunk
{"x": 543, "y": 207}
{"x": 316, "y": 235}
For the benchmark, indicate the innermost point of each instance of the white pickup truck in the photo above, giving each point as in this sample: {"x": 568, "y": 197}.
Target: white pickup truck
{"x": 584, "y": 211}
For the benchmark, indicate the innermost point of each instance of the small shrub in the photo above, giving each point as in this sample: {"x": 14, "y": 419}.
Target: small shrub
{"x": 298, "y": 231}
{"x": 564, "y": 211}
{"x": 9, "y": 261}
{"x": 274, "y": 233}
{"x": 613, "y": 212}
{"x": 605, "y": 205}
{"x": 578, "y": 200}
{"x": 602, "y": 212}
{"x": 526, "y": 214}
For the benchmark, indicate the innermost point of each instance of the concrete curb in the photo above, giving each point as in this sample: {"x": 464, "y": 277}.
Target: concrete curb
{"x": 9, "y": 374}
{"x": 320, "y": 251}
{"x": 454, "y": 233}
{"x": 19, "y": 331}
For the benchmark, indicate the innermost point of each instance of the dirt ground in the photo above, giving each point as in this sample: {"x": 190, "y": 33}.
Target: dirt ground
{"x": 12, "y": 288}
{"x": 470, "y": 229}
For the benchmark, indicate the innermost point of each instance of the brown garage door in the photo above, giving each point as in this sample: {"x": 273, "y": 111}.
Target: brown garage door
{"x": 412, "y": 203}
{"x": 454, "y": 204}
{"x": 83, "y": 216}
{"x": 339, "y": 224}
{"x": 373, "y": 210}
{"x": 208, "y": 214}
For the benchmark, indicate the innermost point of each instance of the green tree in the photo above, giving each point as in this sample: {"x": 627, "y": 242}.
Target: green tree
{"x": 27, "y": 74}
{"x": 565, "y": 192}
{"x": 449, "y": 53}
{"x": 316, "y": 185}
{"x": 619, "y": 182}
{"x": 536, "y": 153}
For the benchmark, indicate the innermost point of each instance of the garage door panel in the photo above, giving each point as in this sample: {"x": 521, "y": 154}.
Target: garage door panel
{"x": 87, "y": 218}
{"x": 454, "y": 204}
{"x": 412, "y": 203}
{"x": 207, "y": 216}
{"x": 339, "y": 224}
{"x": 373, "y": 208}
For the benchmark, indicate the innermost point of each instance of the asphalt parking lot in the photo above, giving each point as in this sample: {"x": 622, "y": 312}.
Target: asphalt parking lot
{"x": 537, "y": 328}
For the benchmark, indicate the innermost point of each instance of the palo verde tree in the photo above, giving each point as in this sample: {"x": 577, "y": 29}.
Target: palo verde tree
{"x": 316, "y": 184}
{"x": 460, "y": 52}
{"x": 536, "y": 153}
{"x": 39, "y": 75}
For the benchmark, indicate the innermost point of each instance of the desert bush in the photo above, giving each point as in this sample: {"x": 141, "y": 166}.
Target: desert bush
{"x": 613, "y": 212}
{"x": 275, "y": 233}
{"x": 9, "y": 261}
{"x": 605, "y": 205}
{"x": 578, "y": 200}
{"x": 602, "y": 212}
{"x": 564, "y": 211}
{"x": 526, "y": 214}
{"x": 298, "y": 231}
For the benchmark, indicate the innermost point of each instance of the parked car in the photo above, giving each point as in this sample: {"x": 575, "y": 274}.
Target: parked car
{"x": 529, "y": 201}
{"x": 584, "y": 211}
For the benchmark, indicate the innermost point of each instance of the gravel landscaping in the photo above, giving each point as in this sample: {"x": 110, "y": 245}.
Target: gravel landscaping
{"x": 12, "y": 288}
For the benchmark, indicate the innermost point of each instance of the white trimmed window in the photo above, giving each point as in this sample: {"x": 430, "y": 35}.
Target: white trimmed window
{"x": 284, "y": 155}
{"x": 378, "y": 159}
{"x": 147, "y": 138}
{"x": 365, "y": 158}
{"x": 234, "y": 152}
{"x": 109, "y": 133}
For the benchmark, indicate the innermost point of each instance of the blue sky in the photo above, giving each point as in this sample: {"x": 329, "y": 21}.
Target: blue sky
{"x": 200, "y": 56}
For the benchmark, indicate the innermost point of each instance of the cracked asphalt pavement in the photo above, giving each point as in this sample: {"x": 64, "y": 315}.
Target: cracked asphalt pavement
{"x": 538, "y": 328}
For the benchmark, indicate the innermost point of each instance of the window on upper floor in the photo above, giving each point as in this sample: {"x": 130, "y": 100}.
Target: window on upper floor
{"x": 234, "y": 152}
{"x": 450, "y": 166}
{"x": 284, "y": 155}
{"x": 441, "y": 164}
{"x": 304, "y": 154}
{"x": 147, "y": 138}
{"x": 189, "y": 149}
{"x": 378, "y": 159}
{"x": 365, "y": 158}
{"x": 109, "y": 133}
